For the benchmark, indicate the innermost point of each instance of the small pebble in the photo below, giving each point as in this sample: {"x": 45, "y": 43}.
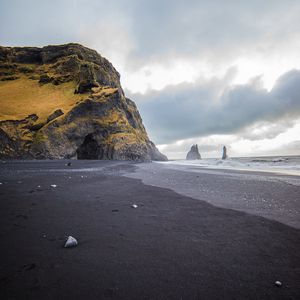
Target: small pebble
{"x": 278, "y": 283}
{"x": 1, "y": 183}
{"x": 38, "y": 186}
{"x": 29, "y": 267}
{"x": 134, "y": 206}
{"x": 54, "y": 185}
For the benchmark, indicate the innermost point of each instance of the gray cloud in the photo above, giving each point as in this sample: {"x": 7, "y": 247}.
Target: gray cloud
{"x": 292, "y": 148}
{"x": 267, "y": 130}
{"x": 203, "y": 108}
{"x": 212, "y": 30}
{"x": 161, "y": 31}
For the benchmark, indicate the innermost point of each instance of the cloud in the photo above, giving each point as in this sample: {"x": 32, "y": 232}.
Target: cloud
{"x": 162, "y": 30}
{"x": 217, "y": 31}
{"x": 111, "y": 38}
{"x": 215, "y": 107}
{"x": 267, "y": 130}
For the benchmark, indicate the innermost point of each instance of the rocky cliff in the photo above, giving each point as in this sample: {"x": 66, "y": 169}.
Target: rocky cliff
{"x": 66, "y": 101}
{"x": 193, "y": 153}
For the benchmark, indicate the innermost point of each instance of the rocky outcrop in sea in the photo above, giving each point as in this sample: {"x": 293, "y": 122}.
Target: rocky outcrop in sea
{"x": 224, "y": 154}
{"x": 193, "y": 153}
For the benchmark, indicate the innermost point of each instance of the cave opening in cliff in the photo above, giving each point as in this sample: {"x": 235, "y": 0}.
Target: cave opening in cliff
{"x": 89, "y": 149}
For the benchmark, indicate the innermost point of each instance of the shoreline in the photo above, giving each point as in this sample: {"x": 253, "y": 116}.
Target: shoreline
{"x": 273, "y": 170}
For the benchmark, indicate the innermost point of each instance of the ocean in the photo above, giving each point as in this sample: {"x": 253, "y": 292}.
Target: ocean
{"x": 288, "y": 165}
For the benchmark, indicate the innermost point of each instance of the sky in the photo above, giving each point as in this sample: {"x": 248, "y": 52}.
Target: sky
{"x": 208, "y": 72}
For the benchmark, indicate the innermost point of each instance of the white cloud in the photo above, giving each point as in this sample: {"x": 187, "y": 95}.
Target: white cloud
{"x": 280, "y": 144}
{"x": 247, "y": 118}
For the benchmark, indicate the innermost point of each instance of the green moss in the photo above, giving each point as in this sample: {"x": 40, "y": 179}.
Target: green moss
{"x": 25, "y": 69}
{"x": 39, "y": 138}
{"x": 9, "y": 78}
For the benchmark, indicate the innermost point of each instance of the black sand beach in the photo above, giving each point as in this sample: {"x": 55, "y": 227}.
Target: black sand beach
{"x": 170, "y": 247}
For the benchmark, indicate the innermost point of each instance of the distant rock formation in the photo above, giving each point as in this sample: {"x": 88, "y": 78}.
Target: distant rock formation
{"x": 66, "y": 101}
{"x": 224, "y": 155}
{"x": 193, "y": 153}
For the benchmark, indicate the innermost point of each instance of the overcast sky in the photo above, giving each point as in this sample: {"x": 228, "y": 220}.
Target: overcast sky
{"x": 210, "y": 72}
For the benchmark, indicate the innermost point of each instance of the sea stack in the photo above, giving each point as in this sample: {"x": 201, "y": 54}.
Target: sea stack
{"x": 66, "y": 101}
{"x": 193, "y": 153}
{"x": 224, "y": 155}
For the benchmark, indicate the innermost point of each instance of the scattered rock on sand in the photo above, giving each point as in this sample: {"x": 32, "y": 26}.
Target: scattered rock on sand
{"x": 29, "y": 267}
{"x": 278, "y": 283}
{"x": 71, "y": 242}
{"x": 53, "y": 185}
{"x": 134, "y": 206}
{"x": 25, "y": 217}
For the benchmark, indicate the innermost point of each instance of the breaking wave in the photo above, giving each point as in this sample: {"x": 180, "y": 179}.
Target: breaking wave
{"x": 289, "y": 165}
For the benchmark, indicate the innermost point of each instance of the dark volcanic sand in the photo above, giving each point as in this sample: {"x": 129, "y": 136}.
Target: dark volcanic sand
{"x": 170, "y": 247}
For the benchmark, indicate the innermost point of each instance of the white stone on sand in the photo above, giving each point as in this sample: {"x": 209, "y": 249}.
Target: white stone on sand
{"x": 278, "y": 283}
{"x": 71, "y": 242}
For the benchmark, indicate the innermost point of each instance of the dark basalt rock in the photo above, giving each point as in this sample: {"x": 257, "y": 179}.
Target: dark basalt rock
{"x": 87, "y": 138}
{"x": 7, "y": 145}
{"x": 45, "y": 79}
{"x": 193, "y": 153}
{"x": 9, "y": 78}
{"x": 104, "y": 124}
{"x": 55, "y": 115}
{"x": 224, "y": 155}
{"x": 15, "y": 137}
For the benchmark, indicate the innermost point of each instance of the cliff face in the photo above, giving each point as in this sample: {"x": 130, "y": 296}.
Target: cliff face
{"x": 66, "y": 101}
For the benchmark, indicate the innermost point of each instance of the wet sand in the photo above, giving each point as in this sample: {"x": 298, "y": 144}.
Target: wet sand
{"x": 270, "y": 195}
{"x": 170, "y": 247}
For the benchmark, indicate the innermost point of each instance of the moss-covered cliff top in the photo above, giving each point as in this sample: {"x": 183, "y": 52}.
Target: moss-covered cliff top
{"x": 42, "y": 80}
